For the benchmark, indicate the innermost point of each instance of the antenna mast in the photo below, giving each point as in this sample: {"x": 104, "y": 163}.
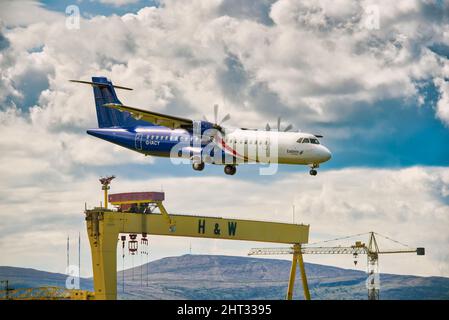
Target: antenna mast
{"x": 68, "y": 254}
{"x": 79, "y": 254}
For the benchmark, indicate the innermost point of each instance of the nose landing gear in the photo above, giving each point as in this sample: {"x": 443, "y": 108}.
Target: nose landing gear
{"x": 230, "y": 169}
{"x": 312, "y": 171}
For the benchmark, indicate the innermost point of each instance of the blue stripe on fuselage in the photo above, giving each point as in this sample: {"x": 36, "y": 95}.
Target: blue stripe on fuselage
{"x": 143, "y": 139}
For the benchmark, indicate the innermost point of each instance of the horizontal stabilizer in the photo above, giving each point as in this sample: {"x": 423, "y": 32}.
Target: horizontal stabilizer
{"x": 99, "y": 84}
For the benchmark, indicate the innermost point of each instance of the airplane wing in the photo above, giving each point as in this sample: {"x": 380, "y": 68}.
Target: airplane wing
{"x": 153, "y": 117}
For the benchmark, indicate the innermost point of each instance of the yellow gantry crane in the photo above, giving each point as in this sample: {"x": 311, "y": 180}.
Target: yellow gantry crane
{"x": 372, "y": 252}
{"x": 144, "y": 213}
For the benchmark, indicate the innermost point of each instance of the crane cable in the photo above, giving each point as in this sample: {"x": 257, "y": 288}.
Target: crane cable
{"x": 340, "y": 238}
{"x": 395, "y": 241}
{"x": 141, "y": 266}
{"x": 358, "y": 235}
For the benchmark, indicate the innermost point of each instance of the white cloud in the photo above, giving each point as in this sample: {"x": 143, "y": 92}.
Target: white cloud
{"x": 38, "y": 152}
{"x": 119, "y": 3}
{"x": 26, "y": 12}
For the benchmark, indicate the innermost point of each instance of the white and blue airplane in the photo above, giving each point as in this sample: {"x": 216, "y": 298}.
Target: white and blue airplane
{"x": 198, "y": 142}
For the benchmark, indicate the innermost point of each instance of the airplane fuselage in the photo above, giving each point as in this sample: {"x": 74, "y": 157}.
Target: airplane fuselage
{"x": 237, "y": 146}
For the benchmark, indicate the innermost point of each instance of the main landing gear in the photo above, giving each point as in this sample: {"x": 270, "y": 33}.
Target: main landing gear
{"x": 230, "y": 169}
{"x": 312, "y": 171}
{"x": 198, "y": 166}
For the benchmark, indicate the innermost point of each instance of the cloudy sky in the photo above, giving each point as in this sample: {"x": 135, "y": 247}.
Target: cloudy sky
{"x": 371, "y": 76}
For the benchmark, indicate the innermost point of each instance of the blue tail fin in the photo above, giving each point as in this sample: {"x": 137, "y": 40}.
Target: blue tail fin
{"x": 107, "y": 117}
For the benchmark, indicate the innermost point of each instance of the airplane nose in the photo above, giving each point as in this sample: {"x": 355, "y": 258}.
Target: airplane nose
{"x": 325, "y": 154}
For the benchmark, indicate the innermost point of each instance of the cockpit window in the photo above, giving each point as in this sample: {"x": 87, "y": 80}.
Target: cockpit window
{"x": 308, "y": 140}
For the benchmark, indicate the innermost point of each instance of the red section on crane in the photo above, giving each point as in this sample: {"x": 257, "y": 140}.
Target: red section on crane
{"x": 118, "y": 198}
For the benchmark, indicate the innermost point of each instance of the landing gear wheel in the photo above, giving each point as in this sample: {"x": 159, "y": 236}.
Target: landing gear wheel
{"x": 198, "y": 166}
{"x": 313, "y": 172}
{"x": 230, "y": 169}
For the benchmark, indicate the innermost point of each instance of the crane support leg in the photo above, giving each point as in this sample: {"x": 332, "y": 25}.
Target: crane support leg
{"x": 303, "y": 276}
{"x": 291, "y": 281}
{"x": 103, "y": 244}
{"x": 297, "y": 258}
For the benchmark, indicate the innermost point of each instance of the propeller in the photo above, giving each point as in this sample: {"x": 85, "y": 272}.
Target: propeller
{"x": 287, "y": 128}
{"x": 217, "y": 124}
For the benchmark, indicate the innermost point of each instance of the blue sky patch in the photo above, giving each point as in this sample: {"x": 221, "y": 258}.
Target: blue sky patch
{"x": 90, "y": 8}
